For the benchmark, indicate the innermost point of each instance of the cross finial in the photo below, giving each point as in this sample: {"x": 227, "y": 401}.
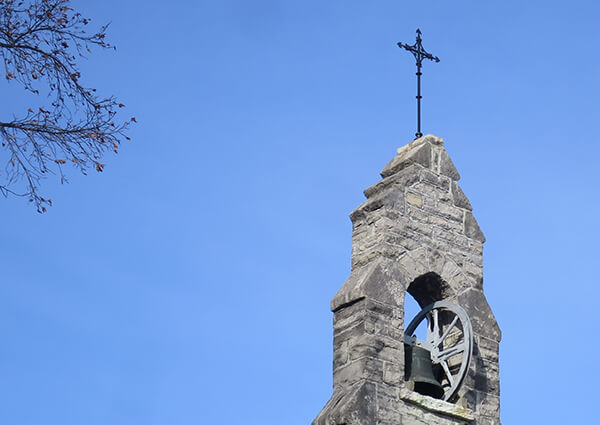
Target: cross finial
{"x": 420, "y": 53}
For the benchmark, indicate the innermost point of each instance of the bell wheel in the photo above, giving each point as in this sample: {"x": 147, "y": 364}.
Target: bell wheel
{"x": 449, "y": 340}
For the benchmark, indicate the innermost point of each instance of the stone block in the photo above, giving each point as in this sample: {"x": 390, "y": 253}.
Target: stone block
{"x": 446, "y": 224}
{"x": 437, "y": 411}
{"x": 461, "y": 283}
{"x": 393, "y": 373}
{"x": 486, "y": 420}
{"x": 472, "y": 229}
{"x": 354, "y": 405}
{"x": 341, "y": 354}
{"x": 450, "y": 239}
{"x": 436, "y": 260}
{"x": 484, "y": 375}
{"x": 440, "y": 182}
{"x": 351, "y": 315}
{"x": 363, "y": 282}
{"x": 449, "y": 269}
{"x": 416, "y": 152}
{"x": 414, "y": 266}
{"x": 414, "y": 199}
{"x": 459, "y": 197}
{"x": 349, "y": 373}
{"x": 348, "y": 335}
{"x": 488, "y": 405}
{"x": 447, "y": 167}
{"x": 483, "y": 320}
{"x": 401, "y": 179}
{"x": 445, "y": 197}
{"x": 488, "y": 348}
{"x": 449, "y": 212}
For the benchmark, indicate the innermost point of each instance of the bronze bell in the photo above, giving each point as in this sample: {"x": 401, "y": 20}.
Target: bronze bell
{"x": 419, "y": 369}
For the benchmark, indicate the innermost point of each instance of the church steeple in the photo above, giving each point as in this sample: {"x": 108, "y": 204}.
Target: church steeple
{"x": 415, "y": 234}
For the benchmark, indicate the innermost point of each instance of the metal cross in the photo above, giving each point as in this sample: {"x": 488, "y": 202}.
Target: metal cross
{"x": 420, "y": 54}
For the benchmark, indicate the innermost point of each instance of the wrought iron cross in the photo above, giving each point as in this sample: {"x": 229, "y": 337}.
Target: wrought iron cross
{"x": 420, "y": 54}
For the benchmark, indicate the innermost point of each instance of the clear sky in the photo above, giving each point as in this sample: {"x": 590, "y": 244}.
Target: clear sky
{"x": 190, "y": 282}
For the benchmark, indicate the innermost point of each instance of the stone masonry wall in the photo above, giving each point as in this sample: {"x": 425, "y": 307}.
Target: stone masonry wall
{"x": 415, "y": 227}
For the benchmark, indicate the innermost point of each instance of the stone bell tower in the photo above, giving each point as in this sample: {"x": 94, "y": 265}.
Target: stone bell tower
{"x": 414, "y": 234}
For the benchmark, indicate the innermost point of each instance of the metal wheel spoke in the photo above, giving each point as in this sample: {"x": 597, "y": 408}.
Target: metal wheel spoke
{"x": 447, "y": 371}
{"x": 447, "y": 332}
{"x": 433, "y": 332}
{"x": 452, "y": 351}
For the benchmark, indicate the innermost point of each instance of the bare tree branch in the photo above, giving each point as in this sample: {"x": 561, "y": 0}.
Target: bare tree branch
{"x": 40, "y": 42}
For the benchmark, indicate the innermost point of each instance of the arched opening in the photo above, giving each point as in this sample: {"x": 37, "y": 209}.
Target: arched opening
{"x": 421, "y": 292}
{"x": 430, "y": 366}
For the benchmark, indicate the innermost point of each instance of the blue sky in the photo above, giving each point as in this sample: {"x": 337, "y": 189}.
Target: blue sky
{"x": 190, "y": 282}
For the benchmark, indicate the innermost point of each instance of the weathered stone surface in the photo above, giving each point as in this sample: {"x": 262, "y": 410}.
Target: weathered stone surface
{"x": 488, "y": 348}
{"x": 434, "y": 179}
{"x": 379, "y": 280}
{"x": 426, "y": 151}
{"x": 419, "y": 153}
{"x": 459, "y": 197}
{"x": 415, "y": 233}
{"x": 438, "y": 406}
{"x": 472, "y": 229}
{"x": 403, "y": 178}
{"x": 352, "y": 405}
{"x": 483, "y": 320}
{"x": 414, "y": 199}
{"x": 447, "y": 167}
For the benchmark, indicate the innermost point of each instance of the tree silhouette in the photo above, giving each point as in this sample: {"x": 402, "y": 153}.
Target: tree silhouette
{"x": 40, "y": 43}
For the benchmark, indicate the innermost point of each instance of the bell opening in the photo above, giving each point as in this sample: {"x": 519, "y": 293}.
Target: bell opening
{"x": 425, "y": 377}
